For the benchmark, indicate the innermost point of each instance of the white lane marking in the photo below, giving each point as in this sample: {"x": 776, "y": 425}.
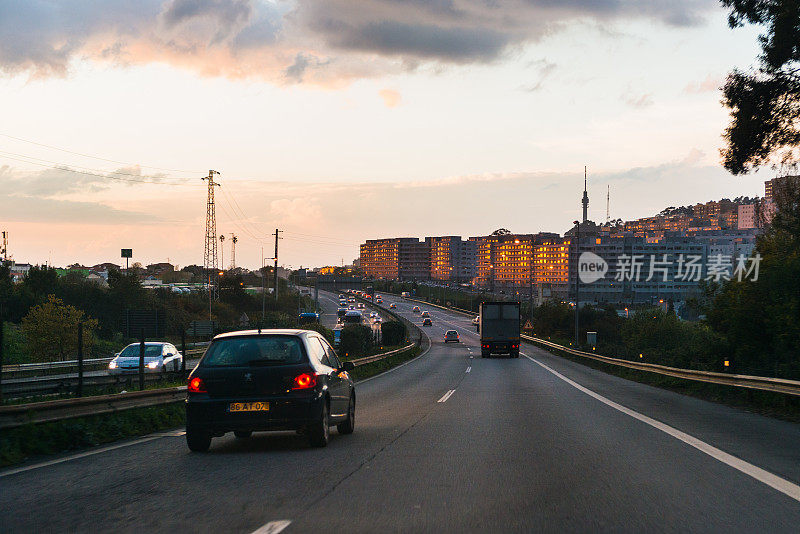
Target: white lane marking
{"x": 446, "y": 396}
{"x": 82, "y": 455}
{"x": 273, "y": 527}
{"x": 468, "y": 369}
{"x": 784, "y": 486}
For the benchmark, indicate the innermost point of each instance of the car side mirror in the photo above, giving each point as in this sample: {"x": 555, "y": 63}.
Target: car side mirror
{"x": 348, "y": 366}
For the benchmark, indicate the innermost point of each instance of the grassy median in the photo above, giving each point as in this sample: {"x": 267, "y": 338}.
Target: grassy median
{"x": 19, "y": 444}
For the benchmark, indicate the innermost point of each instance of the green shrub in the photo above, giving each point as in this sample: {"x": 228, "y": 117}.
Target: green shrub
{"x": 356, "y": 341}
{"x": 393, "y": 333}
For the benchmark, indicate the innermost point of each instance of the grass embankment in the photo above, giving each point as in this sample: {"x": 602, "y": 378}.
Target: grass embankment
{"x": 778, "y": 405}
{"x": 18, "y": 444}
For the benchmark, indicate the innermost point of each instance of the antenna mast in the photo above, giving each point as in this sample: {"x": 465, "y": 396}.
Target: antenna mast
{"x": 608, "y": 205}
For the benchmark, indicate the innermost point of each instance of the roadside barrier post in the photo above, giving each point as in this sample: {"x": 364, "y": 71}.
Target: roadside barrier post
{"x": 183, "y": 353}
{"x": 141, "y": 360}
{"x": 80, "y": 359}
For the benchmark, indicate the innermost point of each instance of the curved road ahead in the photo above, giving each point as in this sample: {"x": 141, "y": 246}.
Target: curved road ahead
{"x": 449, "y": 442}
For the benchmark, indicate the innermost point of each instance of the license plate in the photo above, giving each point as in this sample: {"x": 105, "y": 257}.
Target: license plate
{"x": 249, "y": 407}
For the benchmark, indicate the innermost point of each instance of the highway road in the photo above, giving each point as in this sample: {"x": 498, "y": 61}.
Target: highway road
{"x": 449, "y": 442}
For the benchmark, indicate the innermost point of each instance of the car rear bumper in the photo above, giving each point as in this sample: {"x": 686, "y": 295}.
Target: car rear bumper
{"x": 285, "y": 413}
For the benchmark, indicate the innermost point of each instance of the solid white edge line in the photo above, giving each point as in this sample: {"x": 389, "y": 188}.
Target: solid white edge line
{"x": 81, "y": 455}
{"x": 784, "y": 486}
{"x": 273, "y": 527}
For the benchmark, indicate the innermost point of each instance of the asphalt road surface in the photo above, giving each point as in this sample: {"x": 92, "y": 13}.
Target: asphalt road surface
{"x": 449, "y": 442}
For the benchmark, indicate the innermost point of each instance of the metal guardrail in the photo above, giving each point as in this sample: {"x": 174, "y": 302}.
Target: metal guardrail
{"x": 763, "y": 383}
{"x": 778, "y": 385}
{"x": 42, "y": 366}
{"x": 377, "y": 357}
{"x": 59, "y": 410}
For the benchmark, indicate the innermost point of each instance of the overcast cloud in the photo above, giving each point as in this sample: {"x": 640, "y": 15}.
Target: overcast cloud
{"x": 316, "y": 41}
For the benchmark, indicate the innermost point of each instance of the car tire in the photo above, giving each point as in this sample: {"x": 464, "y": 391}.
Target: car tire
{"x": 350, "y": 424}
{"x": 484, "y": 354}
{"x": 319, "y": 431}
{"x": 198, "y": 441}
{"x": 242, "y": 434}
{"x": 515, "y": 354}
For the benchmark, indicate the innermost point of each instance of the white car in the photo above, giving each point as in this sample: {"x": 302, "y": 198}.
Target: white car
{"x": 159, "y": 357}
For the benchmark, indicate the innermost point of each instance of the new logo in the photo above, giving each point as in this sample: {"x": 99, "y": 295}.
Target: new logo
{"x": 591, "y": 267}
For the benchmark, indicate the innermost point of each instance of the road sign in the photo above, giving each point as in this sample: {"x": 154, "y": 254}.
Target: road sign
{"x": 528, "y": 325}
{"x": 127, "y": 252}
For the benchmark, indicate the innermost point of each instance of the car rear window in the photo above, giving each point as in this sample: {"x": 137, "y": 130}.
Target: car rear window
{"x": 255, "y": 350}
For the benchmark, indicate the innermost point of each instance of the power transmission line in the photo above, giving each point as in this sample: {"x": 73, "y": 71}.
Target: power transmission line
{"x": 105, "y": 174}
{"x": 94, "y": 157}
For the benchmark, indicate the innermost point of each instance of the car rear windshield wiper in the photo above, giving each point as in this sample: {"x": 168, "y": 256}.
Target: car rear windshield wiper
{"x": 264, "y": 361}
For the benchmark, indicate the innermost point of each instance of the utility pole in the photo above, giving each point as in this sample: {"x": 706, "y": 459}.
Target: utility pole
{"x": 234, "y": 240}
{"x": 608, "y": 205}
{"x": 276, "y": 264}
{"x": 210, "y": 251}
{"x": 222, "y": 251}
{"x": 4, "y": 247}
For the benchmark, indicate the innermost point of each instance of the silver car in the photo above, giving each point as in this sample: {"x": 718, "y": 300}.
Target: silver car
{"x": 159, "y": 357}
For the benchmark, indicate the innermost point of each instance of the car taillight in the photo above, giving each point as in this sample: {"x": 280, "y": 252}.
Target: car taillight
{"x": 304, "y": 381}
{"x": 196, "y": 385}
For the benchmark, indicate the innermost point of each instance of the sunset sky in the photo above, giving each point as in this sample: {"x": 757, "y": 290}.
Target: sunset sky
{"x": 345, "y": 120}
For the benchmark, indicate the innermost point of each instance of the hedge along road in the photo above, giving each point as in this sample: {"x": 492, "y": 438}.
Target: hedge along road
{"x": 510, "y": 445}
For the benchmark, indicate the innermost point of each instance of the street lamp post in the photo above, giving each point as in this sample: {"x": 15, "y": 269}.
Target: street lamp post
{"x": 577, "y": 280}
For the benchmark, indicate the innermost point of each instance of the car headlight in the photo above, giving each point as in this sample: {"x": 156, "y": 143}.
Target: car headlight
{"x": 112, "y": 364}
{"x": 152, "y": 365}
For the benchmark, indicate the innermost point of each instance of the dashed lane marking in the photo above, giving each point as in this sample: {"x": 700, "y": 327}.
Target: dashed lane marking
{"x": 446, "y": 396}
{"x": 273, "y": 527}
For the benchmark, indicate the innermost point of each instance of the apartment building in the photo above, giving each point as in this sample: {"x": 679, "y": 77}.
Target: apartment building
{"x": 398, "y": 258}
{"x": 505, "y": 260}
{"x": 451, "y": 258}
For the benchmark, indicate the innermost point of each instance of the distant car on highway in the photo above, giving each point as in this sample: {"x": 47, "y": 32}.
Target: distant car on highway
{"x": 351, "y": 299}
{"x": 378, "y": 300}
{"x": 392, "y": 306}
{"x": 373, "y": 314}
{"x": 351, "y": 307}
{"x": 269, "y": 380}
{"x": 427, "y": 322}
{"x": 425, "y": 314}
{"x": 415, "y": 309}
{"x": 451, "y": 335}
{"x": 360, "y": 305}
{"x": 159, "y": 357}
{"x": 377, "y": 320}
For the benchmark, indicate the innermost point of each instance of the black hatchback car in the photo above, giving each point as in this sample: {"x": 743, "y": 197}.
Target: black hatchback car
{"x": 257, "y": 380}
